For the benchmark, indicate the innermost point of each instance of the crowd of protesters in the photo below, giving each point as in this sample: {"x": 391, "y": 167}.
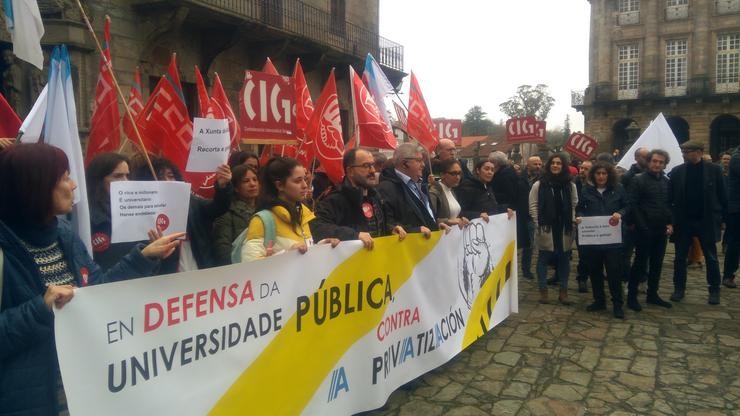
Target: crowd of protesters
{"x": 260, "y": 211}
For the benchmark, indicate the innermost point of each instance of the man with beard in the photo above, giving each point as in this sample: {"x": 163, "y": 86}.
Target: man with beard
{"x": 354, "y": 211}
{"x": 628, "y": 246}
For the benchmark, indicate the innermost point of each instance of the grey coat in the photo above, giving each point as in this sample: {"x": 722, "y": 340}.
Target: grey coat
{"x": 543, "y": 240}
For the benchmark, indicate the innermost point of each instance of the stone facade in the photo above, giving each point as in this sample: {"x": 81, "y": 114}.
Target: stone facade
{"x": 224, "y": 36}
{"x": 699, "y": 102}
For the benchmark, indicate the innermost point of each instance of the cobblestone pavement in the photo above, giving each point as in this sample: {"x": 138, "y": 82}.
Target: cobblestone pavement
{"x": 562, "y": 360}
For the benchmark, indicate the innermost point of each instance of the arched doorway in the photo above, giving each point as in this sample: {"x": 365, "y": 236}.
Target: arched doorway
{"x": 724, "y": 134}
{"x": 680, "y": 128}
{"x": 624, "y": 133}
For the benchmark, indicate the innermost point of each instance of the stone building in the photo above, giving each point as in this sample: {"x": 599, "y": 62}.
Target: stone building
{"x": 224, "y": 36}
{"x": 678, "y": 57}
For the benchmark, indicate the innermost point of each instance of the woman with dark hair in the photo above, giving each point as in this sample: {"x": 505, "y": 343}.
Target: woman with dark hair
{"x": 552, "y": 205}
{"x": 243, "y": 157}
{"x": 476, "y": 195}
{"x": 441, "y": 197}
{"x": 243, "y": 204}
{"x": 42, "y": 263}
{"x": 196, "y": 251}
{"x": 102, "y": 170}
{"x": 602, "y": 196}
{"x": 282, "y": 190}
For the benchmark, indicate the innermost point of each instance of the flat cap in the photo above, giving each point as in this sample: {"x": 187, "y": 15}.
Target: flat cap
{"x": 692, "y": 145}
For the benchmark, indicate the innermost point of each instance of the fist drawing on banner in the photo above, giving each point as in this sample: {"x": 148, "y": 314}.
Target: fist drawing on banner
{"x": 476, "y": 263}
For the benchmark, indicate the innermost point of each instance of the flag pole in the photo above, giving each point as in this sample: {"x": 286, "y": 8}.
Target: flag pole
{"x": 429, "y": 155}
{"x": 118, "y": 88}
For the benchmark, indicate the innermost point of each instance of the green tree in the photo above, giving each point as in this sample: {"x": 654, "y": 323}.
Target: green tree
{"x": 529, "y": 101}
{"x": 476, "y": 122}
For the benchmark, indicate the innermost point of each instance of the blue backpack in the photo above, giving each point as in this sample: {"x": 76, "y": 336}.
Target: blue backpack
{"x": 269, "y": 223}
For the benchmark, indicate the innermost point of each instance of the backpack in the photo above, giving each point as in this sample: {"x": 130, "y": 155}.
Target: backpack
{"x": 269, "y": 223}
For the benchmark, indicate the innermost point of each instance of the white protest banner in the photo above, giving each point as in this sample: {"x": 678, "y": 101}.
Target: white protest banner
{"x": 658, "y": 135}
{"x": 139, "y": 206}
{"x": 211, "y": 144}
{"x": 330, "y": 332}
{"x": 596, "y": 231}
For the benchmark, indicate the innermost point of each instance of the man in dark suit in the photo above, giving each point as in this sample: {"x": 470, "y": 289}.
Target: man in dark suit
{"x": 698, "y": 203}
{"x": 732, "y": 230}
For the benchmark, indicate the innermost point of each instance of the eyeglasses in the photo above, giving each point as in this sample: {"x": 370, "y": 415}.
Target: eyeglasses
{"x": 456, "y": 173}
{"x": 416, "y": 159}
{"x": 364, "y": 166}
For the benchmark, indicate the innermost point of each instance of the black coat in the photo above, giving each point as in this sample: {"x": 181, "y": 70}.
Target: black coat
{"x": 733, "y": 183}
{"x": 648, "y": 198}
{"x": 475, "y": 197}
{"x": 401, "y": 206}
{"x": 340, "y": 215}
{"x": 592, "y": 203}
{"x": 626, "y": 179}
{"x": 715, "y": 199}
{"x": 504, "y": 185}
{"x": 28, "y": 362}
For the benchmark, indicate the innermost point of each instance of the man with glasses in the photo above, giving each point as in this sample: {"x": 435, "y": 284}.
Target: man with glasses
{"x": 648, "y": 197}
{"x": 354, "y": 210}
{"x": 405, "y": 197}
{"x": 699, "y": 202}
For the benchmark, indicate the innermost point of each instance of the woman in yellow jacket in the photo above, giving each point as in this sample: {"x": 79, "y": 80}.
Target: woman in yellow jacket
{"x": 282, "y": 190}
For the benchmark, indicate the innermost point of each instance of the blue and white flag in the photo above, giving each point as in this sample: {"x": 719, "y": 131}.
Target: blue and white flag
{"x": 23, "y": 21}
{"x": 378, "y": 85}
{"x": 60, "y": 130}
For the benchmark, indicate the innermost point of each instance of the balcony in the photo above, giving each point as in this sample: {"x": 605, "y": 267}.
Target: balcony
{"x": 576, "y": 98}
{"x": 298, "y": 19}
{"x": 628, "y": 18}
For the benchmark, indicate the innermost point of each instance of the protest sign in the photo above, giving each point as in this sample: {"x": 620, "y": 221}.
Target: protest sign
{"x": 140, "y": 206}
{"x": 581, "y": 146}
{"x": 266, "y": 104}
{"x": 596, "y": 231}
{"x": 525, "y": 130}
{"x": 449, "y": 129}
{"x": 330, "y": 332}
{"x": 210, "y": 146}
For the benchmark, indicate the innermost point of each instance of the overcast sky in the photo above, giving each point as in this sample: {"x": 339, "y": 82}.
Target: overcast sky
{"x": 476, "y": 52}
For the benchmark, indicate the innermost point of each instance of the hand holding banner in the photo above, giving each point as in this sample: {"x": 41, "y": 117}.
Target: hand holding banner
{"x": 210, "y": 147}
{"x": 139, "y": 206}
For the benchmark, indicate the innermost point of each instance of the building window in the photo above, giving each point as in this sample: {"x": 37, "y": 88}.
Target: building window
{"x": 727, "y": 6}
{"x": 629, "y": 12}
{"x": 676, "y": 9}
{"x": 728, "y": 63}
{"x": 676, "y": 67}
{"x": 628, "y": 71}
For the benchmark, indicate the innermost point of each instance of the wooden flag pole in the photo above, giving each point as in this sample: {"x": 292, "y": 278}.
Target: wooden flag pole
{"x": 118, "y": 89}
{"x": 429, "y": 155}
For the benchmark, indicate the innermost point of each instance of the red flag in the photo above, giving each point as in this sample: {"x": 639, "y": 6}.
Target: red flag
{"x": 303, "y": 111}
{"x": 209, "y": 108}
{"x": 218, "y": 94}
{"x": 420, "y": 125}
{"x": 105, "y": 127}
{"x": 371, "y": 128}
{"x": 270, "y": 68}
{"x": 325, "y": 128}
{"x": 165, "y": 122}
{"x": 135, "y": 106}
{"x": 10, "y": 123}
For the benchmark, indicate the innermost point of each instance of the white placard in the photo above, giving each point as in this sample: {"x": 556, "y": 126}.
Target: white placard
{"x": 140, "y": 206}
{"x": 210, "y": 146}
{"x": 596, "y": 231}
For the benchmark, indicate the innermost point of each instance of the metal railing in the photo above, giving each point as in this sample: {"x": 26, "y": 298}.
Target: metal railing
{"x": 298, "y": 18}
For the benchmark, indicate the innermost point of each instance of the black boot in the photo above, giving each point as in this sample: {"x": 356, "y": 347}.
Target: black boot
{"x": 678, "y": 295}
{"x": 656, "y": 300}
{"x": 596, "y": 306}
{"x": 618, "y": 311}
{"x": 632, "y": 303}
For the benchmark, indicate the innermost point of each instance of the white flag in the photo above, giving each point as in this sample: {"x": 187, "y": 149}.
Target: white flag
{"x": 23, "y": 21}
{"x": 34, "y": 122}
{"x": 658, "y": 135}
{"x": 60, "y": 130}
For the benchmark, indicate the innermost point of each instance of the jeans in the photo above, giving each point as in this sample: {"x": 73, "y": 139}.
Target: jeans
{"x": 527, "y": 251}
{"x": 709, "y": 247}
{"x": 562, "y": 267}
{"x": 649, "y": 250}
{"x": 597, "y": 259}
{"x": 732, "y": 252}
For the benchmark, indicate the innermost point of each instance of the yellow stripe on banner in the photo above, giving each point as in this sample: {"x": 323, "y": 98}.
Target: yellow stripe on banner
{"x": 286, "y": 375}
{"x": 480, "y": 314}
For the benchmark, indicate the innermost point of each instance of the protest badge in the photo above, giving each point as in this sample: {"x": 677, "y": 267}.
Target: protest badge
{"x": 140, "y": 206}
{"x": 596, "y": 231}
{"x": 210, "y": 146}
{"x": 330, "y": 332}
